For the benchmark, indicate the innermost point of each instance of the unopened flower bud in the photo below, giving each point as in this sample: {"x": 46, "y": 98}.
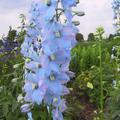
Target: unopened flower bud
{"x": 25, "y": 108}
{"x": 77, "y": 1}
{"x": 14, "y": 80}
{"x": 16, "y": 66}
{"x": 76, "y": 23}
{"x": 79, "y": 13}
{"x": 20, "y": 98}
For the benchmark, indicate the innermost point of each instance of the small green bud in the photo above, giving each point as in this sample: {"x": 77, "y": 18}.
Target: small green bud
{"x": 76, "y": 23}
{"x": 27, "y": 60}
{"x": 77, "y": 1}
{"x": 71, "y": 89}
{"x": 20, "y": 98}
{"x": 16, "y": 66}
{"x": 14, "y": 80}
{"x": 79, "y": 13}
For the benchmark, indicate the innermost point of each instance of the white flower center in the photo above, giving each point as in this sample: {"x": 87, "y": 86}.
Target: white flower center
{"x": 33, "y": 86}
{"x": 57, "y": 34}
{"x": 52, "y": 57}
{"x": 52, "y": 77}
{"x": 55, "y": 100}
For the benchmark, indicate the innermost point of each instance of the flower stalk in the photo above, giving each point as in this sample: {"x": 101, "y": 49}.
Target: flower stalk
{"x": 46, "y": 72}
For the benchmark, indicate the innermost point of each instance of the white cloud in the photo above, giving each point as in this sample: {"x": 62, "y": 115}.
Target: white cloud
{"x": 9, "y": 19}
{"x": 9, "y": 13}
{"x": 12, "y": 4}
{"x": 97, "y": 13}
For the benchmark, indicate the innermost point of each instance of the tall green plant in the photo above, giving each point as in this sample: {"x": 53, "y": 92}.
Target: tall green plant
{"x": 99, "y": 35}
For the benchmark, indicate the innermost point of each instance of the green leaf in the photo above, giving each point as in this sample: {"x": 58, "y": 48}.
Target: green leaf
{"x": 14, "y": 106}
{"x": 90, "y": 85}
{"x": 5, "y": 109}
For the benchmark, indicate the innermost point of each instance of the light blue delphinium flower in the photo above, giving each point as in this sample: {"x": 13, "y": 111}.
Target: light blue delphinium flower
{"x": 38, "y": 95}
{"x": 49, "y": 47}
{"x": 47, "y": 60}
{"x": 116, "y": 4}
{"x": 57, "y": 115}
{"x": 116, "y": 10}
{"x": 55, "y": 58}
{"x": 60, "y": 105}
{"x": 60, "y": 35}
{"x": 34, "y": 76}
{"x": 25, "y": 108}
{"x": 32, "y": 65}
{"x": 31, "y": 36}
{"x": 54, "y": 83}
{"x": 44, "y": 11}
{"x": 68, "y": 36}
{"x": 49, "y": 32}
{"x": 34, "y": 93}
{"x": 68, "y": 3}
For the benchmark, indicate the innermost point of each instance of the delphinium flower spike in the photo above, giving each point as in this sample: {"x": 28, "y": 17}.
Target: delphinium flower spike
{"x": 116, "y": 10}
{"x": 47, "y": 59}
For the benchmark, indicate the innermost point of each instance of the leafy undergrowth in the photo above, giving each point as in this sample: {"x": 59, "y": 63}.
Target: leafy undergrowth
{"x": 83, "y": 101}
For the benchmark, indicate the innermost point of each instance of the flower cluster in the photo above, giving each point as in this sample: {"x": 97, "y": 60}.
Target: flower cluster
{"x": 116, "y": 9}
{"x": 7, "y": 45}
{"x": 47, "y": 49}
{"x": 8, "y": 48}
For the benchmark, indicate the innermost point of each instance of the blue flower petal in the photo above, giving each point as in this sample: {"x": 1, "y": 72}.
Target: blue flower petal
{"x": 37, "y": 96}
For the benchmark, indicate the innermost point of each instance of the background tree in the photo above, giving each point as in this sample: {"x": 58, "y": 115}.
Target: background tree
{"x": 79, "y": 37}
{"x": 91, "y": 37}
{"x": 111, "y": 37}
{"x": 11, "y": 34}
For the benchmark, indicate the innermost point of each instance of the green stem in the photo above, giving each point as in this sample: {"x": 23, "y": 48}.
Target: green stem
{"x": 101, "y": 80}
{"x": 49, "y": 113}
{"x": 117, "y": 66}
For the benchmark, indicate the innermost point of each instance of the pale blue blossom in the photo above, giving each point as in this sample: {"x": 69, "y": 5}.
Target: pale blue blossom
{"x": 47, "y": 61}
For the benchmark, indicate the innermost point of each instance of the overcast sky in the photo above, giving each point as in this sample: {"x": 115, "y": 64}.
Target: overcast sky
{"x": 97, "y": 13}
